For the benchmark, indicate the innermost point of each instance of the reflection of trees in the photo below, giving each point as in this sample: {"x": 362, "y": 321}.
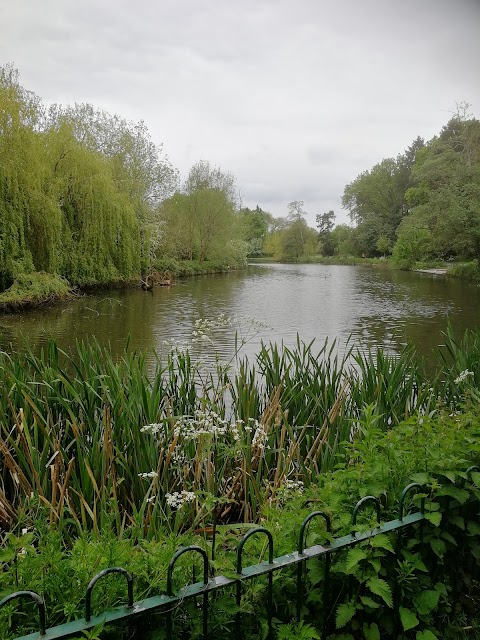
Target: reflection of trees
{"x": 412, "y": 308}
{"x": 111, "y": 316}
{"x": 108, "y": 316}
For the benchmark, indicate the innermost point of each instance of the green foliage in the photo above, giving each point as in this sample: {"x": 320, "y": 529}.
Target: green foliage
{"x": 425, "y": 202}
{"x": 87, "y": 196}
{"x": 408, "y": 618}
{"x": 34, "y": 288}
{"x": 465, "y": 270}
{"x": 89, "y": 485}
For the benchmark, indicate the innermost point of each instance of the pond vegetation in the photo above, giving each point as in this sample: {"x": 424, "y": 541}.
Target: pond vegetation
{"x": 104, "y": 464}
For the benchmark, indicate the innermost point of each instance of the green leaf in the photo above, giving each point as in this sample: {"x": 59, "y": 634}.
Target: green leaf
{"x": 371, "y": 631}
{"x": 408, "y": 618}
{"x": 376, "y": 564}
{"x": 476, "y": 478}
{"x": 473, "y": 528}
{"x": 345, "y": 613}
{"x": 449, "y": 538}
{"x": 380, "y": 588}
{"x": 435, "y": 518}
{"x": 426, "y": 601}
{"x": 421, "y": 478}
{"x": 383, "y": 542}
{"x": 475, "y": 549}
{"x": 438, "y": 547}
{"x": 369, "y": 602}
{"x": 354, "y": 556}
{"x": 458, "y": 521}
{"x": 461, "y": 495}
{"x": 441, "y": 588}
{"x": 7, "y": 555}
{"x": 425, "y": 635}
{"x": 448, "y": 474}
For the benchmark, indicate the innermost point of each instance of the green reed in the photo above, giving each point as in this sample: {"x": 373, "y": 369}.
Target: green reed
{"x": 72, "y": 442}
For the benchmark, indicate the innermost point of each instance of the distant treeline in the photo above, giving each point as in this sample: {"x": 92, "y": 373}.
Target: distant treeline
{"x": 422, "y": 205}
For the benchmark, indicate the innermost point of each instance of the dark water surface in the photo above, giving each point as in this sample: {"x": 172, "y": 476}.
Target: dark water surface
{"x": 373, "y": 306}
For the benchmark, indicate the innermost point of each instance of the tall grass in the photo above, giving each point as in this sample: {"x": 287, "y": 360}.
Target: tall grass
{"x": 73, "y": 442}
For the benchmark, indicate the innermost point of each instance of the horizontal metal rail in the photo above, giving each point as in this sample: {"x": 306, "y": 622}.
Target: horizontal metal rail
{"x": 170, "y": 600}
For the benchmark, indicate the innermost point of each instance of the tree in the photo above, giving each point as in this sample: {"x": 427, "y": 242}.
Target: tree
{"x": 203, "y": 218}
{"x": 445, "y": 194}
{"x": 325, "y": 224}
{"x": 383, "y": 244}
{"x": 255, "y": 224}
{"x": 411, "y": 245}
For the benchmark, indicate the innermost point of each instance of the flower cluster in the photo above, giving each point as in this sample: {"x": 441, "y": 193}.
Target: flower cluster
{"x": 463, "y": 376}
{"x": 204, "y": 423}
{"x": 154, "y": 429}
{"x": 177, "y": 499}
{"x": 203, "y": 327}
{"x": 259, "y": 437}
{"x": 294, "y": 486}
{"x": 148, "y": 474}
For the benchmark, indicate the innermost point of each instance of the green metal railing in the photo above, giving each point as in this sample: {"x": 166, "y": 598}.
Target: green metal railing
{"x": 211, "y": 583}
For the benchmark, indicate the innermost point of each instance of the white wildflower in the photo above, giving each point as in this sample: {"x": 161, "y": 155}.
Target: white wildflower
{"x": 259, "y": 437}
{"x": 148, "y": 474}
{"x": 463, "y": 376}
{"x": 177, "y": 499}
{"x": 295, "y": 486}
{"x": 154, "y": 428}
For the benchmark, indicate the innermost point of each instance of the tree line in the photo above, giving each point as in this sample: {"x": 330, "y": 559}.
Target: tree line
{"x": 88, "y": 196}
{"x": 422, "y": 205}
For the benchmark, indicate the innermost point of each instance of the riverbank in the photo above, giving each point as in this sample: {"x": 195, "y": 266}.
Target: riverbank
{"x": 39, "y": 289}
{"x": 34, "y": 290}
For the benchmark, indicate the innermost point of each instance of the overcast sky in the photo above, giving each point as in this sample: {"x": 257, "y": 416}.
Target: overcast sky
{"x": 294, "y": 97}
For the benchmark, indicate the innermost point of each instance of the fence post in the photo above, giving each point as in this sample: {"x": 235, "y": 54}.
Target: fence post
{"x": 170, "y": 593}
{"x": 241, "y": 544}
{"x": 300, "y": 566}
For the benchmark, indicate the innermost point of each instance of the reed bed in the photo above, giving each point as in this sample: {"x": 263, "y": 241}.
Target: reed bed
{"x": 94, "y": 443}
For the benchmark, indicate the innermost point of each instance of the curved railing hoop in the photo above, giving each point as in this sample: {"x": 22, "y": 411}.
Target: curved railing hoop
{"x": 311, "y": 516}
{"x": 405, "y": 492}
{"x": 176, "y": 556}
{"x": 360, "y": 505}
{"x": 99, "y": 576}
{"x": 248, "y": 535}
{"x": 473, "y": 468}
{"x": 36, "y": 598}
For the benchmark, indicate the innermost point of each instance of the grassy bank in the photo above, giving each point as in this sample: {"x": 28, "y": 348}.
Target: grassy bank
{"x": 34, "y": 289}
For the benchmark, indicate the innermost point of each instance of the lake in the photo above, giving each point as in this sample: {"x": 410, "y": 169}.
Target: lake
{"x": 372, "y": 306}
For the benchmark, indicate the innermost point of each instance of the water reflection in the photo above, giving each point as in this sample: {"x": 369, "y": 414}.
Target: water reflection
{"x": 374, "y": 306}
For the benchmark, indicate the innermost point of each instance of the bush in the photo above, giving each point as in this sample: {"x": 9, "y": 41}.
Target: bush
{"x": 34, "y": 288}
{"x": 465, "y": 270}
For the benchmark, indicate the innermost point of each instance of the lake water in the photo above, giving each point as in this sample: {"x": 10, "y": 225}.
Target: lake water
{"x": 372, "y": 306}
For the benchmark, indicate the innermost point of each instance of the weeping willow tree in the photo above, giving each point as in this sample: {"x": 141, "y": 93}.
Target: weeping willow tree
{"x": 79, "y": 190}
{"x": 20, "y": 183}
